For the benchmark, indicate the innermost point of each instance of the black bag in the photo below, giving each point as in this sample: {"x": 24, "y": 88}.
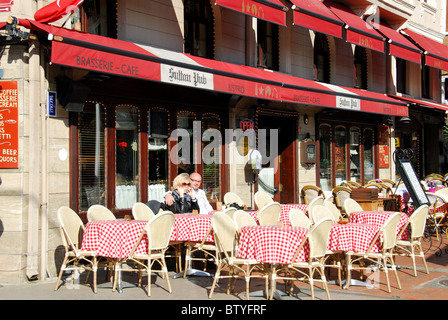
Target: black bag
{"x": 235, "y": 205}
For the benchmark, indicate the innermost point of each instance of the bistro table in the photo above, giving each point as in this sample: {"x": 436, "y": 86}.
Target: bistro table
{"x": 284, "y": 213}
{"x": 115, "y": 239}
{"x": 277, "y": 245}
{"x": 378, "y": 218}
{"x": 272, "y": 245}
{"x": 192, "y": 228}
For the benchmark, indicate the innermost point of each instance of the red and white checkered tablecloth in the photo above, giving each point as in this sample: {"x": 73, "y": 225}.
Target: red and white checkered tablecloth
{"x": 284, "y": 214}
{"x": 353, "y": 237}
{"x": 114, "y": 238}
{"x": 192, "y": 227}
{"x": 377, "y": 218}
{"x": 272, "y": 244}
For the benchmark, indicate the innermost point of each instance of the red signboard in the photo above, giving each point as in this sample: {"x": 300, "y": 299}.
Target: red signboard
{"x": 9, "y": 125}
{"x": 5, "y": 5}
{"x": 384, "y": 157}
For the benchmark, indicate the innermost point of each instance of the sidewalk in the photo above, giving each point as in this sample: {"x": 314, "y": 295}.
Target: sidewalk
{"x": 432, "y": 286}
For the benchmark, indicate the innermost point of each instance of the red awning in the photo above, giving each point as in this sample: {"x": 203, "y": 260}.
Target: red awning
{"x": 436, "y": 53}
{"x": 430, "y": 104}
{"x": 270, "y": 10}
{"x": 359, "y": 32}
{"x": 399, "y": 46}
{"x": 314, "y": 15}
{"x": 117, "y": 57}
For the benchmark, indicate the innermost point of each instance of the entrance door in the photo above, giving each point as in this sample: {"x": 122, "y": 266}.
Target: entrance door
{"x": 280, "y": 181}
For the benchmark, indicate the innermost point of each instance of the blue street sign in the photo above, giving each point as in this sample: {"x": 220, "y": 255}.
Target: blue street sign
{"x": 51, "y": 104}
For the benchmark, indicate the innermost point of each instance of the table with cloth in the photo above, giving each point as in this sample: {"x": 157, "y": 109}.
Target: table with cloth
{"x": 377, "y": 218}
{"x": 284, "y": 213}
{"x": 116, "y": 238}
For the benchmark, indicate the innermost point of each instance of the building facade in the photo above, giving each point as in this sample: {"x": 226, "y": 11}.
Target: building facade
{"x": 109, "y": 103}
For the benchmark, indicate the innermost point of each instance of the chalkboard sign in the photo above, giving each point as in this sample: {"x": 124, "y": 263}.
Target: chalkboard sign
{"x": 412, "y": 183}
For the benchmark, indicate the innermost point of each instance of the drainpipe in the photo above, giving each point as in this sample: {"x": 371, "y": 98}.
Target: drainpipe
{"x": 44, "y": 173}
{"x": 33, "y": 182}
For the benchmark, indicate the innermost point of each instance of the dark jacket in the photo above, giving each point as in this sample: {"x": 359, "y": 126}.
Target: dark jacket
{"x": 182, "y": 205}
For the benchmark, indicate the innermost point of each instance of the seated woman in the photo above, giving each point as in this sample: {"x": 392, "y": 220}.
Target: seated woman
{"x": 184, "y": 198}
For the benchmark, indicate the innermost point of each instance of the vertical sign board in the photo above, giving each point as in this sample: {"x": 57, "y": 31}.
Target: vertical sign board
{"x": 9, "y": 125}
{"x": 51, "y": 104}
{"x": 407, "y": 173}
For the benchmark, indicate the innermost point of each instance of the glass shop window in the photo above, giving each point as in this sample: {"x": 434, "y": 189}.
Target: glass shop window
{"x": 126, "y": 156}
{"x": 340, "y": 155}
{"x": 158, "y": 182}
{"x": 211, "y": 177}
{"x": 325, "y": 157}
{"x": 185, "y": 144}
{"x": 355, "y": 155}
{"x": 91, "y": 156}
{"x": 369, "y": 160}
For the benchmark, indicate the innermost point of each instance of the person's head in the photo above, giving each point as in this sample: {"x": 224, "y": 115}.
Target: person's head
{"x": 196, "y": 180}
{"x": 182, "y": 181}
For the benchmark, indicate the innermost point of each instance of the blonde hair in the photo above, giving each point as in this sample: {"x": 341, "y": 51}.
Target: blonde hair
{"x": 181, "y": 179}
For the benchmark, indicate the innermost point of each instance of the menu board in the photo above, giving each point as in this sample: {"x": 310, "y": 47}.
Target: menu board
{"x": 412, "y": 183}
{"x": 9, "y": 125}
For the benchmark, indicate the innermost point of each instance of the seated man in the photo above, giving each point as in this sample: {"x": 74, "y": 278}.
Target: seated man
{"x": 204, "y": 205}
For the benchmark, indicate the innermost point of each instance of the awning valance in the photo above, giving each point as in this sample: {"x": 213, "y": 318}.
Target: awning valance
{"x": 270, "y": 10}
{"x": 314, "y": 15}
{"x": 424, "y": 103}
{"x": 436, "y": 53}
{"x": 359, "y": 32}
{"x": 111, "y": 56}
{"x": 399, "y": 46}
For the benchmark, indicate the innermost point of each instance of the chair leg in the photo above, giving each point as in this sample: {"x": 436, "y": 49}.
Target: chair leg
{"x": 395, "y": 270}
{"x": 324, "y": 281}
{"x": 215, "y": 280}
{"x": 165, "y": 271}
{"x": 413, "y": 260}
{"x": 386, "y": 273}
{"x": 349, "y": 266}
{"x": 422, "y": 254}
{"x": 60, "y": 273}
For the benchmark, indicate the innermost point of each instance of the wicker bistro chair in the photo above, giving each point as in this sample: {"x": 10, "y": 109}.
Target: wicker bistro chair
{"x": 315, "y": 202}
{"x": 262, "y": 199}
{"x": 242, "y": 219}
{"x": 158, "y": 231}
{"x": 269, "y": 214}
{"x": 297, "y": 218}
{"x": 354, "y": 184}
{"x": 388, "y": 237}
{"x": 71, "y": 229}
{"x": 230, "y": 211}
{"x": 440, "y": 182}
{"x": 225, "y": 232}
{"x": 98, "y": 212}
{"x": 333, "y": 209}
{"x": 310, "y": 192}
{"x": 319, "y": 213}
{"x": 231, "y": 197}
{"x": 437, "y": 218}
{"x": 417, "y": 223}
{"x": 317, "y": 238}
{"x": 352, "y": 205}
{"x": 340, "y": 194}
{"x": 141, "y": 211}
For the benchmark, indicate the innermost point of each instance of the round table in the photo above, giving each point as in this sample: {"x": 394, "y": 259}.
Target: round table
{"x": 114, "y": 238}
{"x": 377, "y": 218}
{"x": 192, "y": 227}
{"x": 353, "y": 237}
{"x": 272, "y": 244}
